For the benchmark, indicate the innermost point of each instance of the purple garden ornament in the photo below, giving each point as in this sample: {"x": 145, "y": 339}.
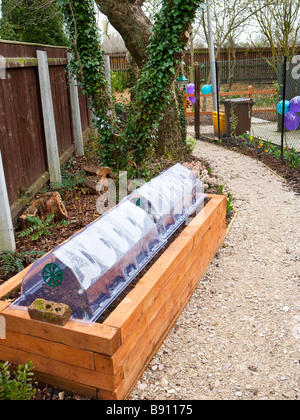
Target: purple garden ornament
{"x": 291, "y": 121}
{"x": 190, "y": 89}
{"x": 295, "y": 104}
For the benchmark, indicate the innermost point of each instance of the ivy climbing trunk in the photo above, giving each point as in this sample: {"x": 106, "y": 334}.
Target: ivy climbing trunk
{"x": 128, "y": 18}
{"x": 87, "y": 65}
{"x": 171, "y": 137}
{"x": 130, "y": 21}
{"x": 155, "y": 122}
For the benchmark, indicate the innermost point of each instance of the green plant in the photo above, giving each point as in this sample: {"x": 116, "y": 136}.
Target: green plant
{"x": 80, "y": 212}
{"x": 291, "y": 156}
{"x": 182, "y": 116}
{"x": 229, "y": 205}
{"x": 32, "y": 21}
{"x": 294, "y": 158}
{"x": 265, "y": 100}
{"x": 191, "y": 144}
{"x": 18, "y": 385}
{"x": 153, "y": 93}
{"x": 122, "y": 112}
{"x": 24, "y": 195}
{"x": 11, "y": 262}
{"x": 118, "y": 81}
{"x": 69, "y": 180}
{"x": 221, "y": 189}
{"x": 88, "y": 66}
{"x": 233, "y": 122}
{"x": 14, "y": 262}
{"x": 40, "y": 227}
{"x": 146, "y": 170}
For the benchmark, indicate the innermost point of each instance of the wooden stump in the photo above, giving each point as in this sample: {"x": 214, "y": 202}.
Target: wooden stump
{"x": 43, "y": 207}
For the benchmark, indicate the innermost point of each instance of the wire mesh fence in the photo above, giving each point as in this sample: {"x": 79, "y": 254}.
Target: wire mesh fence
{"x": 253, "y": 109}
{"x": 249, "y": 71}
{"x": 269, "y": 121}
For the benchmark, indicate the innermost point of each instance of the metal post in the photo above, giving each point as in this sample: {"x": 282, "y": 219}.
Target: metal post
{"x": 197, "y": 103}
{"x": 212, "y": 58}
{"x": 283, "y": 98}
{"x": 48, "y": 115}
{"x": 7, "y": 237}
{"x": 218, "y": 103}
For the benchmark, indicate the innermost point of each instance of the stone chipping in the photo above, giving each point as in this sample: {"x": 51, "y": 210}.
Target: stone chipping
{"x": 238, "y": 338}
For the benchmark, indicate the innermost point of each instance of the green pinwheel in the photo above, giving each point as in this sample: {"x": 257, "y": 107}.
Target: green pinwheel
{"x": 52, "y": 275}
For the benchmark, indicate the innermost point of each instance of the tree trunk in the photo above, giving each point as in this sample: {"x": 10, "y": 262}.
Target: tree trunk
{"x": 170, "y": 137}
{"x": 129, "y": 20}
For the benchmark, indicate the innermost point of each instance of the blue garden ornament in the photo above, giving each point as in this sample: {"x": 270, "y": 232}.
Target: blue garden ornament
{"x": 280, "y": 107}
{"x": 206, "y": 89}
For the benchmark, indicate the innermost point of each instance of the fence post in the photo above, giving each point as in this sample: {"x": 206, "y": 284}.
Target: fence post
{"x": 250, "y": 91}
{"x": 218, "y": 99}
{"x": 76, "y": 117}
{"x": 283, "y": 98}
{"x": 197, "y": 103}
{"x": 7, "y": 237}
{"x": 48, "y": 115}
{"x": 2, "y": 67}
{"x": 107, "y": 71}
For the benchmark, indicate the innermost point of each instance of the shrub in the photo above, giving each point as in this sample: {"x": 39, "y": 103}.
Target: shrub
{"x": 118, "y": 81}
{"x": 14, "y": 262}
{"x": 19, "y": 385}
{"x": 191, "y": 144}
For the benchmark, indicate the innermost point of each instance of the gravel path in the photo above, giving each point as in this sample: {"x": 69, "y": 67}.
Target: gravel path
{"x": 239, "y": 335}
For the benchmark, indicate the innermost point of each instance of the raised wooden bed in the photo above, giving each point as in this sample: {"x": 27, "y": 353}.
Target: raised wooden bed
{"x": 106, "y": 360}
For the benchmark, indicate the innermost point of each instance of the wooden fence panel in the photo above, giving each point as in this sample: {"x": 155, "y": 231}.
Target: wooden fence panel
{"x": 118, "y": 61}
{"x": 22, "y": 137}
{"x": 23, "y": 148}
{"x": 84, "y": 112}
{"x": 62, "y": 107}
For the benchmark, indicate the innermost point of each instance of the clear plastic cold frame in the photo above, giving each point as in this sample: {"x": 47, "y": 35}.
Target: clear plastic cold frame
{"x": 91, "y": 269}
{"x": 170, "y": 198}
